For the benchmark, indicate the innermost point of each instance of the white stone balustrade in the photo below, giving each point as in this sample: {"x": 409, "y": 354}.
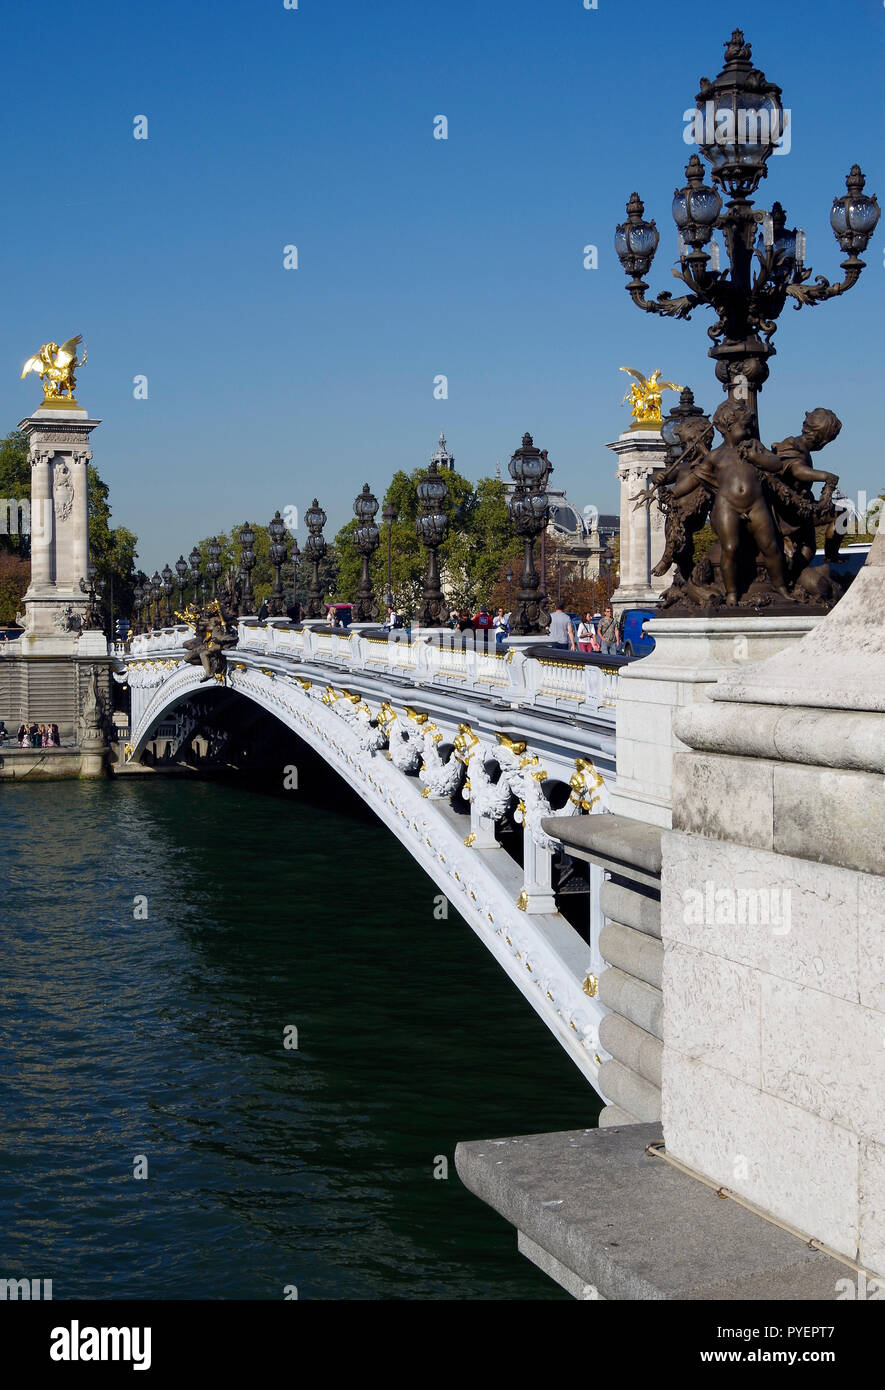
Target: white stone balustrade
{"x": 438, "y": 658}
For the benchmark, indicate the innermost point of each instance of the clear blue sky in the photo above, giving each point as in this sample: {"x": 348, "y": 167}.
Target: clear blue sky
{"x": 314, "y": 126}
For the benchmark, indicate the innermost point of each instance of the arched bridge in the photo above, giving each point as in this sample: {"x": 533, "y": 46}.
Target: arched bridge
{"x": 461, "y": 752}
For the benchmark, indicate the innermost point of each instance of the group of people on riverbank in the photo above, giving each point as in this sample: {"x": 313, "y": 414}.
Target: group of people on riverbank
{"x": 33, "y": 735}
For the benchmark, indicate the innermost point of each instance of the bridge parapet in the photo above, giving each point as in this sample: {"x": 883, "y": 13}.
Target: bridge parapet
{"x": 445, "y": 659}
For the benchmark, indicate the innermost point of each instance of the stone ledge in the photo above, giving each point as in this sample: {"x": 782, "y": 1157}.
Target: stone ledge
{"x": 614, "y": 1115}
{"x": 619, "y": 843}
{"x": 618, "y": 1222}
{"x": 40, "y": 764}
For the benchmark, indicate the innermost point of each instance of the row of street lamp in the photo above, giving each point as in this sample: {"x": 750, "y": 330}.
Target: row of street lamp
{"x": 529, "y": 513}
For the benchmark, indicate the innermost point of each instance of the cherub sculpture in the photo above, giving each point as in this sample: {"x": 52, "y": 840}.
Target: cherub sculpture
{"x": 797, "y": 510}
{"x": 55, "y": 366}
{"x": 762, "y": 510}
{"x": 740, "y": 506}
{"x": 213, "y": 634}
{"x": 684, "y": 493}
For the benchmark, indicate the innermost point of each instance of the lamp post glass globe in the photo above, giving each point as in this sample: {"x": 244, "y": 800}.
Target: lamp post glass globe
{"x": 695, "y": 207}
{"x": 739, "y": 121}
{"x": 315, "y": 518}
{"x": 854, "y": 216}
{"x": 636, "y": 240}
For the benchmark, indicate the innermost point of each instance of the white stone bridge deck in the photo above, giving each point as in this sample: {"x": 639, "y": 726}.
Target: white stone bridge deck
{"x": 425, "y": 727}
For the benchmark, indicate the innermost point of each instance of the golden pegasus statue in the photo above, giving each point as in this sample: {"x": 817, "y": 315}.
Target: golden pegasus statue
{"x": 645, "y": 396}
{"x": 55, "y": 366}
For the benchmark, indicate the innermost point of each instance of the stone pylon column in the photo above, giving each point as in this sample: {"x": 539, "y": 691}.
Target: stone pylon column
{"x": 639, "y": 452}
{"x": 59, "y": 446}
{"x": 78, "y": 556}
{"x": 41, "y": 521}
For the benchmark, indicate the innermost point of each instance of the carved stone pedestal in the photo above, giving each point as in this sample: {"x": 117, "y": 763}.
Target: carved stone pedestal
{"x": 56, "y": 672}
{"x": 60, "y": 453}
{"x": 689, "y": 655}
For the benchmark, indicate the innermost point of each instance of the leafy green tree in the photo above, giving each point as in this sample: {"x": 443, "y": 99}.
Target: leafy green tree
{"x": 477, "y": 555}
{"x": 229, "y": 559}
{"x": 112, "y": 550}
{"x": 15, "y": 483}
{"x": 472, "y": 558}
{"x": 14, "y": 575}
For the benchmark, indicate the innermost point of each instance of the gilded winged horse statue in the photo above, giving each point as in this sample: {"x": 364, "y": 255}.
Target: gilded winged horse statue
{"x": 645, "y": 395}
{"x": 55, "y": 366}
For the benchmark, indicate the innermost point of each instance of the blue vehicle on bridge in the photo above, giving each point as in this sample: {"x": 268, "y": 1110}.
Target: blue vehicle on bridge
{"x": 635, "y": 642}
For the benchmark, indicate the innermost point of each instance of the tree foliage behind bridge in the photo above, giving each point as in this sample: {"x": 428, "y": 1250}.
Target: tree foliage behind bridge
{"x": 479, "y": 544}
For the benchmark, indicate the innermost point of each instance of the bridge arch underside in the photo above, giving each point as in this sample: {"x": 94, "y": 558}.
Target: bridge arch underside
{"x": 547, "y": 954}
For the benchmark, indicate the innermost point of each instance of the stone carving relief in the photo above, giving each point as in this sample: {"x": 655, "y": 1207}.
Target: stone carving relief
{"x": 67, "y": 620}
{"x": 63, "y": 490}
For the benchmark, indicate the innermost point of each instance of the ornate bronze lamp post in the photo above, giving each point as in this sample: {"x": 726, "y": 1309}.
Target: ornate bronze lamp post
{"x": 295, "y": 556}
{"x": 389, "y": 515}
{"x": 181, "y": 571}
{"x": 529, "y": 514}
{"x": 213, "y": 568}
{"x": 167, "y": 586}
{"x": 247, "y": 564}
{"x": 137, "y": 600}
{"x": 738, "y": 122}
{"x": 432, "y": 525}
{"x": 92, "y": 613}
{"x": 278, "y": 555}
{"x": 685, "y": 409}
{"x": 314, "y": 550}
{"x": 156, "y": 589}
{"x": 365, "y": 538}
{"x": 196, "y": 577}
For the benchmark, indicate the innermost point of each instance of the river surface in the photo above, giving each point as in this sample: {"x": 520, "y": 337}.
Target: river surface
{"x": 130, "y": 1040}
